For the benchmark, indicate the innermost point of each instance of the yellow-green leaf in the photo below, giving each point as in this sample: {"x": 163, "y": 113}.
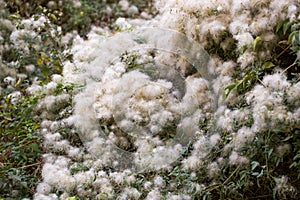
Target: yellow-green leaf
{"x": 72, "y": 198}
{"x": 268, "y": 65}
{"x": 18, "y": 82}
{"x": 52, "y": 16}
{"x": 279, "y": 26}
{"x": 44, "y": 56}
{"x": 14, "y": 17}
{"x": 40, "y": 62}
{"x": 228, "y": 89}
{"x": 256, "y": 41}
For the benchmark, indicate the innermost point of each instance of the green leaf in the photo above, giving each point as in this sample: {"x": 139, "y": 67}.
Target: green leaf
{"x": 228, "y": 89}
{"x": 40, "y": 62}
{"x": 256, "y": 41}
{"x": 254, "y": 164}
{"x": 243, "y": 49}
{"x": 287, "y": 138}
{"x": 270, "y": 152}
{"x": 286, "y": 26}
{"x": 44, "y": 56}
{"x": 72, "y": 198}
{"x": 268, "y": 65}
{"x": 45, "y": 71}
{"x": 295, "y": 34}
{"x": 279, "y": 25}
{"x": 52, "y": 16}
{"x": 297, "y": 156}
{"x": 11, "y": 17}
{"x": 255, "y": 174}
{"x": 258, "y": 174}
{"x": 35, "y": 147}
{"x": 24, "y": 184}
{"x": 18, "y": 178}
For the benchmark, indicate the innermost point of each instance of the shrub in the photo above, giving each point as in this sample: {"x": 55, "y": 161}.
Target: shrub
{"x": 96, "y": 106}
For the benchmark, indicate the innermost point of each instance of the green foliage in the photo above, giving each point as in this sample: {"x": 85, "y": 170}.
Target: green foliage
{"x": 256, "y": 41}
{"x": 292, "y": 30}
{"x": 47, "y": 58}
{"x": 130, "y": 60}
{"x": 295, "y": 165}
{"x": 263, "y": 177}
{"x": 289, "y": 33}
{"x": 73, "y": 198}
{"x": 70, "y": 17}
{"x": 249, "y": 79}
{"x": 78, "y": 167}
{"x": 64, "y": 88}
{"x": 19, "y": 147}
{"x": 229, "y": 53}
{"x": 294, "y": 37}
{"x": 251, "y": 75}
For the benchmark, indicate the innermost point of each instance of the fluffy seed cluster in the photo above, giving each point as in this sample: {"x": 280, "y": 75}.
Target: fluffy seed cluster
{"x": 138, "y": 102}
{"x": 138, "y": 108}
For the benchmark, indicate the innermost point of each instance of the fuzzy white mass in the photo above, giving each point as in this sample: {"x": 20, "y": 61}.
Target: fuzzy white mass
{"x": 129, "y": 117}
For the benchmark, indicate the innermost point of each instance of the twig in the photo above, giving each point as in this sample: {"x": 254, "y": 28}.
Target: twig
{"x": 31, "y": 165}
{"x": 261, "y": 82}
{"x": 284, "y": 51}
{"x": 261, "y": 196}
{"x": 288, "y": 68}
{"x": 225, "y": 182}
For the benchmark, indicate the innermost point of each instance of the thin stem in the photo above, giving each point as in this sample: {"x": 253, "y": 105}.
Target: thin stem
{"x": 225, "y": 182}
{"x": 284, "y": 51}
{"x": 31, "y": 165}
{"x": 261, "y": 82}
{"x": 288, "y": 67}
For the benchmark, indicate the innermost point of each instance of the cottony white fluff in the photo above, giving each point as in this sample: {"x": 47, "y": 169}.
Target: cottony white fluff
{"x": 50, "y": 174}
{"x": 128, "y": 108}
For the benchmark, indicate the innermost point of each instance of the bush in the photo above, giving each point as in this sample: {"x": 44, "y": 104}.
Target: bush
{"x": 96, "y": 106}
